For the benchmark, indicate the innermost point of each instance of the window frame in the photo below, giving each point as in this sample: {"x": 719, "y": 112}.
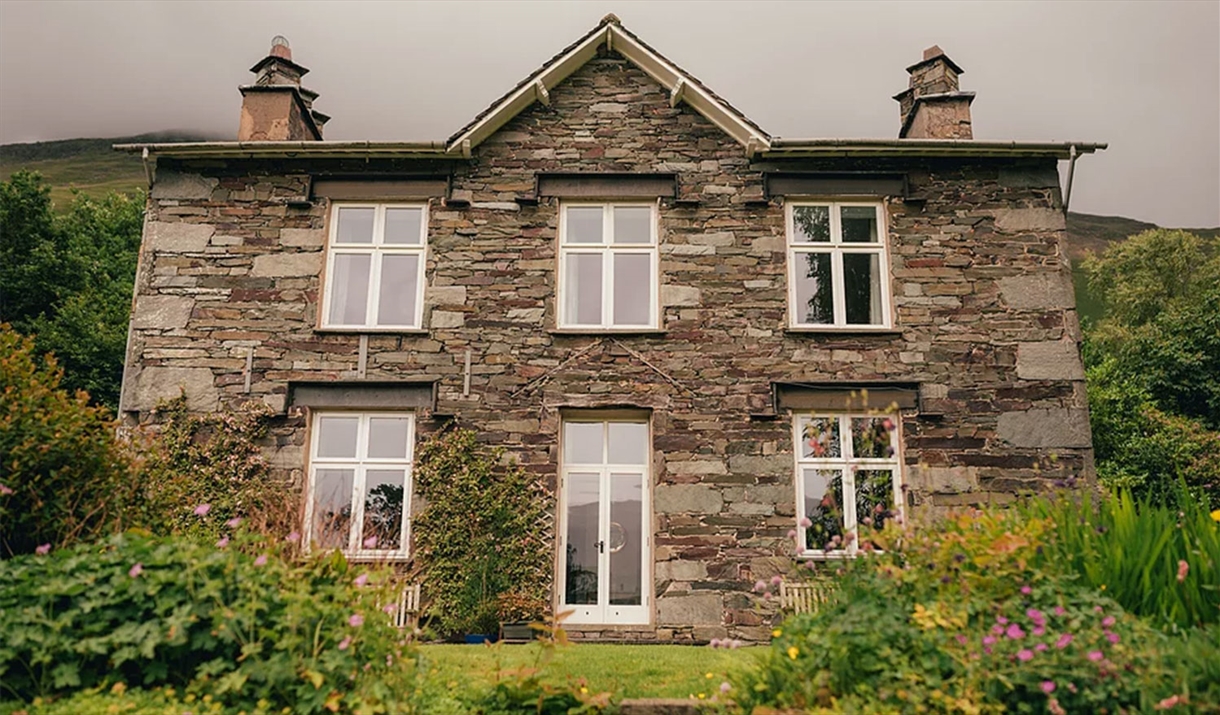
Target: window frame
{"x": 837, "y": 248}
{"x": 378, "y": 249}
{"x": 360, "y": 465}
{"x": 607, "y": 249}
{"x": 848, "y": 463}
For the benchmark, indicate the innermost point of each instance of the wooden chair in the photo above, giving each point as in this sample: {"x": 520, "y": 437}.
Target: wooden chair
{"x": 407, "y": 611}
{"x": 802, "y": 596}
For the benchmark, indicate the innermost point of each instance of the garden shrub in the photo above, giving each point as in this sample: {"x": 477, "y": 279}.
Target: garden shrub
{"x": 241, "y": 623}
{"x": 966, "y": 617}
{"x": 64, "y": 477}
{"x": 483, "y": 532}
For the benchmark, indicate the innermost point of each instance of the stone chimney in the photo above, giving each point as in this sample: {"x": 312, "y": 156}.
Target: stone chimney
{"x": 276, "y": 107}
{"x": 933, "y": 107}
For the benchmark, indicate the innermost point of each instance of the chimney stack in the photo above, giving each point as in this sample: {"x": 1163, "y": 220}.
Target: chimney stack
{"x": 933, "y": 107}
{"x": 276, "y": 107}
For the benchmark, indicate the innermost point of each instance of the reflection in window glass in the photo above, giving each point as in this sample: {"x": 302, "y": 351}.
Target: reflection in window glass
{"x": 355, "y": 225}
{"x": 584, "y": 289}
{"x": 838, "y": 267}
{"x": 396, "y": 299}
{"x": 814, "y": 289}
{"x": 632, "y": 289}
{"x": 378, "y": 250}
{"x": 823, "y": 509}
{"x": 349, "y": 294}
{"x": 384, "y": 492}
{"x": 812, "y": 224}
{"x": 859, "y": 224}
{"x": 332, "y": 507}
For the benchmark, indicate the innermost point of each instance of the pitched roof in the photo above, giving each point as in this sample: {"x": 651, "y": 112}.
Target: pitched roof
{"x": 683, "y": 87}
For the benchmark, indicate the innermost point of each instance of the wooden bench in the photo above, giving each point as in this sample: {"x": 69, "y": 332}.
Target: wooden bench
{"x": 407, "y": 609}
{"x": 803, "y": 596}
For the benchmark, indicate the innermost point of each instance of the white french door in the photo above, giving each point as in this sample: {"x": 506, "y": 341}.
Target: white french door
{"x": 605, "y": 562}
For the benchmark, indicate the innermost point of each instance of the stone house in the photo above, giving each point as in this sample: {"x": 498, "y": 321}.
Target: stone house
{"x": 702, "y": 337}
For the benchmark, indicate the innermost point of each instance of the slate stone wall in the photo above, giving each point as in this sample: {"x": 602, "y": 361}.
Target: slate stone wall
{"x": 984, "y": 322}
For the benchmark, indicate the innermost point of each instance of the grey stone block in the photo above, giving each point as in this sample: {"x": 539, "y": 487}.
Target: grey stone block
{"x": 178, "y": 237}
{"x": 302, "y": 237}
{"x": 1029, "y": 178}
{"x": 1052, "y": 427}
{"x": 177, "y": 185}
{"x": 286, "y": 265}
{"x": 942, "y": 480}
{"x": 679, "y": 295}
{"x": 679, "y": 570}
{"x": 687, "y": 499}
{"x": 448, "y": 319}
{"x": 153, "y": 384}
{"x": 446, "y": 295}
{"x": 1024, "y": 220}
{"x": 1044, "y": 291}
{"x": 1051, "y": 360}
{"x": 690, "y": 609}
{"x": 162, "y": 312}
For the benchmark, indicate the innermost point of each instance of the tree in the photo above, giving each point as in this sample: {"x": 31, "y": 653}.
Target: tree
{"x": 67, "y": 279}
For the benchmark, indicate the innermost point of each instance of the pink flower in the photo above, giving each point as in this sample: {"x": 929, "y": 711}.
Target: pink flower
{"x": 1108, "y": 621}
{"x": 1014, "y": 631}
{"x": 1095, "y": 655}
{"x": 1025, "y": 654}
{"x": 343, "y": 644}
{"x": 356, "y": 620}
{"x": 370, "y": 542}
{"x": 390, "y": 609}
{"x": 203, "y": 509}
{"x": 1048, "y": 686}
{"x": 234, "y": 522}
{"x": 1183, "y": 569}
{"x": 261, "y": 560}
{"x": 293, "y": 537}
{"x": 760, "y": 586}
{"x": 1040, "y": 647}
{"x": 4, "y": 490}
{"x": 1112, "y": 637}
{"x": 1038, "y": 631}
{"x": 989, "y": 640}
{"x": 1060, "y": 611}
{"x": 792, "y": 533}
{"x": 1001, "y": 620}
{"x": 1035, "y": 615}
{"x": 1169, "y": 702}
{"x": 1097, "y": 609}
{"x": 1064, "y": 641}
{"x": 997, "y": 629}
{"x": 725, "y": 687}
{"x": 805, "y": 522}
{"x": 777, "y": 580}
{"x": 361, "y": 579}
{"x": 136, "y": 570}
{"x": 43, "y": 550}
{"x": 962, "y": 640}
{"x": 1026, "y": 590}
{"x": 224, "y": 541}
{"x": 1055, "y": 708}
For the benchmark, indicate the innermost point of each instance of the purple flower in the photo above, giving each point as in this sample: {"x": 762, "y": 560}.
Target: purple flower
{"x": 792, "y": 533}
{"x": 343, "y": 644}
{"x": 203, "y": 509}
{"x": 1040, "y": 647}
{"x": 1025, "y": 654}
{"x": 1112, "y": 637}
{"x": 1095, "y": 655}
{"x": 962, "y": 640}
{"x": 714, "y": 643}
{"x": 1026, "y": 590}
{"x": 1038, "y": 630}
{"x": 1035, "y": 615}
{"x": 1014, "y": 631}
{"x": 4, "y": 490}
{"x": 1048, "y": 686}
{"x": 371, "y": 542}
{"x": 224, "y": 541}
{"x": 760, "y": 586}
{"x": 1064, "y": 641}
{"x": 997, "y": 629}
{"x": 805, "y": 522}
{"x": 1001, "y": 620}
{"x": 234, "y": 522}
{"x": 43, "y": 550}
{"x": 361, "y": 579}
{"x": 390, "y": 608}
{"x": 356, "y": 620}
{"x": 136, "y": 570}
{"x": 261, "y": 560}
{"x": 725, "y": 687}
{"x": 776, "y": 580}
{"x": 1108, "y": 621}
{"x": 293, "y": 537}
{"x": 989, "y": 640}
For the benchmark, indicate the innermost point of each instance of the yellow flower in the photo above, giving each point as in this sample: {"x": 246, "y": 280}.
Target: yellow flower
{"x": 793, "y": 652}
{"x": 1216, "y": 515}
{"x": 702, "y": 696}
{"x": 708, "y": 676}
{"x": 1103, "y": 587}
{"x": 776, "y": 633}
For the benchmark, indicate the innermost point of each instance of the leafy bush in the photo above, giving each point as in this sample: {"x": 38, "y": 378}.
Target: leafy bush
{"x": 63, "y": 475}
{"x": 1155, "y": 561}
{"x": 482, "y": 532}
{"x": 967, "y": 616}
{"x": 213, "y": 459}
{"x": 247, "y": 627}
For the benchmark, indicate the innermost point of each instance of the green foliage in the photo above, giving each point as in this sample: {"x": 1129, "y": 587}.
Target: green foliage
{"x": 243, "y": 624}
{"x": 1155, "y": 561}
{"x": 974, "y": 615}
{"x": 63, "y": 475}
{"x": 68, "y": 279}
{"x": 482, "y": 532}
{"x": 212, "y": 459}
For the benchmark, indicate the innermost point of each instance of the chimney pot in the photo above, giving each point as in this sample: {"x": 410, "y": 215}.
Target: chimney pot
{"x": 932, "y": 106}
{"x": 933, "y": 51}
{"x": 280, "y": 48}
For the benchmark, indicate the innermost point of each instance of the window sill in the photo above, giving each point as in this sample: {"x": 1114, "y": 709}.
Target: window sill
{"x": 825, "y": 556}
{"x": 374, "y": 557}
{"x": 607, "y": 331}
{"x": 371, "y": 331}
{"x": 837, "y": 330}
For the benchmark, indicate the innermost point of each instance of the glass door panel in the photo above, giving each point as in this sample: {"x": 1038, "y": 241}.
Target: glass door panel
{"x": 581, "y": 562}
{"x": 625, "y": 539}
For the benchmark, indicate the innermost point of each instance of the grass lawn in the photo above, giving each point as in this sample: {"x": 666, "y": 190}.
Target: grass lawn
{"x": 627, "y": 671}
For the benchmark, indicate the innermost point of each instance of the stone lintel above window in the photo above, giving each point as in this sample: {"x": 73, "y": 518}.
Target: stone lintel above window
{"x": 844, "y": 397}
{"x": 364, "y": 395}
{"x": 835, "y": 184}
{"x": 380, "y": 188}
{"x": 607, "y": 186}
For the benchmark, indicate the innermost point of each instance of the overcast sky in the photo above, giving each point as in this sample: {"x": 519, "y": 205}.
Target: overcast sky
{"x": 1144, "y": 77}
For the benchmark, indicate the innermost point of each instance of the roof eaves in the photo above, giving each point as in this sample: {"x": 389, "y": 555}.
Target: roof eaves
{"x": 291, "y": 149}
{"x": 792, "y": 148}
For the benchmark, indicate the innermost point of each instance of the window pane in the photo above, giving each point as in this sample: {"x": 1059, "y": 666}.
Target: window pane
{"x": 584, "y": 224}
{"x": 811, "y": 224}
{"x": 355, "y": 225}
{"x": 870, "y": 437}
{"x": 397, "y": 292}
{"x": 820, "y": 438}
{"x": 385, "y": 490}
{"x": 859, "y": 224}
{"x": 632, "y": 289}
{"x": 628, "y": 443}
{"x": 583, "y": 289}
{"x": 582, "y": 442}
{"x": 626, "y": 539}
{"x": 874, "y": 499}
{"x": 332, "y": 507}
{"x": 349, "y": 294}
{"x": 403, "y": 226}
{"x": 824, "y": 509}
{"x": 388, "y": 437}
{"x": 814, "y": 292}
{"x": 580, "y": 561}
{"x": 337, "y": 437}
{"x": 862, "y": 288}
{"x": 633, "y": 224}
